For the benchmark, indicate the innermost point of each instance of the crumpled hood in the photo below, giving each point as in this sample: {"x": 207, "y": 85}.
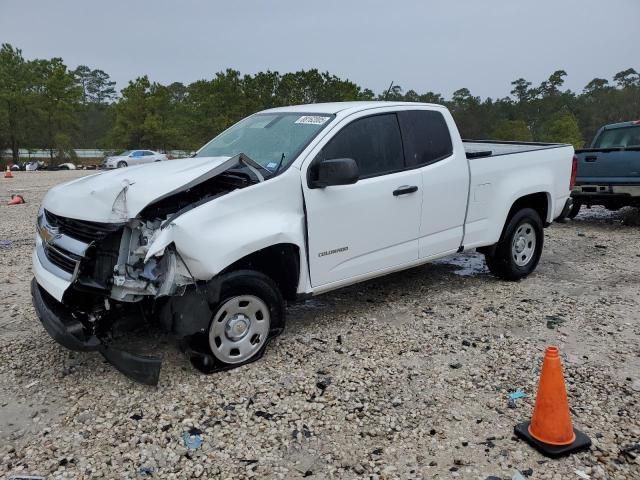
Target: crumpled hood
{"x": 119, "y": 195}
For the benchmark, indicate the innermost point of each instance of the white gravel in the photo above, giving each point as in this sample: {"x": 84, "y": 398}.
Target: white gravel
{"x": 402, "y": 377}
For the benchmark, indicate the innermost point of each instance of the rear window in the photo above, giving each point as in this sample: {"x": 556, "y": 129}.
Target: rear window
{"x": 619, "y": 137}
{"x": 426, "y": 137}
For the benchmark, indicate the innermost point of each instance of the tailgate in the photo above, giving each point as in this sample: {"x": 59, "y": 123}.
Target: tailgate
{"x": 609, "y": 166}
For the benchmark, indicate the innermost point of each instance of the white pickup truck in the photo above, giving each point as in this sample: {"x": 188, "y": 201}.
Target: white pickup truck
{"x": 287, "y": 203}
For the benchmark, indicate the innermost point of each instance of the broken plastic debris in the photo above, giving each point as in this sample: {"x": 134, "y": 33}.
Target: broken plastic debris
{"x": 146, "y": 470}
{"x": 16, "y": 200}
{"x": 517, "y": 394}
{"x": 517, "y": 476}
{"x": 192, "y": 442}
{"x": 554, "y": 321}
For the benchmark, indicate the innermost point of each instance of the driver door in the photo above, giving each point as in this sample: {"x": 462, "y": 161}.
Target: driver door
{"x": 370, "y": 226}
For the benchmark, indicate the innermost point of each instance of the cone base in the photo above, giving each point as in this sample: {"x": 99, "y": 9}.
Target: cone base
{"x": 582, "y": 442}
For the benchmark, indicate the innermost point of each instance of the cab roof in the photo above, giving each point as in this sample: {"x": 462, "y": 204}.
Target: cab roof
{"x": 612, "y": 126}
{"x": 335, "y": 107}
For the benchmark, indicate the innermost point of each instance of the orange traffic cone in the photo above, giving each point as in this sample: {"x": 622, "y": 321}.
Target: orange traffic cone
{"x": 8, "y": 173}
{"x": 550, "y": 430}
{"x": 16, "y": 200}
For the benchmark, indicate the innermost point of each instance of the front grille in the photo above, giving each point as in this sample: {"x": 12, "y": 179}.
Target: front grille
{"x": 81, "y": 229}
{"x": 62, "y": 259}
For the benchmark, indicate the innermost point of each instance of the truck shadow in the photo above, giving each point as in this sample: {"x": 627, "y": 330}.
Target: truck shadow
{"x": 628, "y": 216}
{"x": 413, "y": 286}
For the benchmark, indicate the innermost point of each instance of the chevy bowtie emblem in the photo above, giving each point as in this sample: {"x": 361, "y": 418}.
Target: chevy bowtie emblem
{"x": 49, "y": 234}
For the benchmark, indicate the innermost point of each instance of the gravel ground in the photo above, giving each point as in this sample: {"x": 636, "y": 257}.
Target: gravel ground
{"x": 401, "y": 377}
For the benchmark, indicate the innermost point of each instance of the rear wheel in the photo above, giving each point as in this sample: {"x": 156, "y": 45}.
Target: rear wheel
{"x": 122, "y": 164}
{"x": 575, "y": 209}
{"x": 519, "y": 250}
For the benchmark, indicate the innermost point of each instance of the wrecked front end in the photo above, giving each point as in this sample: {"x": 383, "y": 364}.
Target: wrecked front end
{"x": 90, "y": 276}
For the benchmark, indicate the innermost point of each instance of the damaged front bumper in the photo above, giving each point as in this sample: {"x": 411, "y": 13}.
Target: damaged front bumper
{"x": 71, "y": 334}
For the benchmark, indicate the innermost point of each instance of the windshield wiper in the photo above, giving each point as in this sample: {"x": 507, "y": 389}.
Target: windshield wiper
{"x": 279, "y": 164}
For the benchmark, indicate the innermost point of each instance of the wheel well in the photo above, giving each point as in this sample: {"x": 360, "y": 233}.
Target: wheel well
{"x": 280, "y": 262}
{"x": 537, "y": 201}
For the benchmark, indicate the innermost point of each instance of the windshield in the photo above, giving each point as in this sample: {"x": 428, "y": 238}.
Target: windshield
{"x": 619, "y": 137}
{"x": 273, "y": 140}
{"x": 124, "y": 154}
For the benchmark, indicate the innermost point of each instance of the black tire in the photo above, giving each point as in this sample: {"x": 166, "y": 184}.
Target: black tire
{"x": 575, "y": 209}
{"x": 249, "y": 282}
{"x": 503, "y": 263}
{"x": 122, "y": 164}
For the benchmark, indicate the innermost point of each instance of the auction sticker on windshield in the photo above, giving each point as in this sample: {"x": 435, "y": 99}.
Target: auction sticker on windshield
{"x": 312, "y": 120}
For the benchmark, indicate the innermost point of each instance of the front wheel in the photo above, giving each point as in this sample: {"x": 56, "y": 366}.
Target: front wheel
{"x": 250, "y": 311}
{"x": 519, "y": 250}
{"x": 122, "y": 164}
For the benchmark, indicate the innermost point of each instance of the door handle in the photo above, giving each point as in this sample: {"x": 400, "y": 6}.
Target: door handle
{"x": 404, "y": 190}
{"x": 590, "y": 158}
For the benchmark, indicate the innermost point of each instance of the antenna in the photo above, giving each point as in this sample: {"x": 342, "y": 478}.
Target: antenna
{"x": 386, "y": 95}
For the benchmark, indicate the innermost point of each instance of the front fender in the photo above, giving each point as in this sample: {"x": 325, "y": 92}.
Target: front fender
{"x": 216, "y": 234}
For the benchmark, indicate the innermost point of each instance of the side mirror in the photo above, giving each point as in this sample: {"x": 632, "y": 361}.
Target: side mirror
{"x": 334, "y": 171}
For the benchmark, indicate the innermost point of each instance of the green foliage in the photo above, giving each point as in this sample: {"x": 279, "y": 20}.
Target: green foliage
{"x": 512, "y": 130}
{"x": 45, "y": 105}
{"x": 96, "y": 85}
{"x": 562, "y": 128}
{"x": 627, "y": 78}
{"x": 58, "y": 100}
{"x": 153, "y": 116}
{"x": 521, "y": 90}
{"x": 64, "y": 148}
{"x": 17, "y": 103}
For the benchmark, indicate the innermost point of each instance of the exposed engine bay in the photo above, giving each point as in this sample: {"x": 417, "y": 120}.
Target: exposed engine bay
{"x": 163, "y": 245}
{"x": 164, "y": 274}
{"x": 117, "y": 264}
{"x": 114, "y": 278}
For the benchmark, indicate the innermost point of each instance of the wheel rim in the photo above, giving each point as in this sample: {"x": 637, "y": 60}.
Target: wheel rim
{"x": 523, "y": 246}
{"x": 239, "y": 329}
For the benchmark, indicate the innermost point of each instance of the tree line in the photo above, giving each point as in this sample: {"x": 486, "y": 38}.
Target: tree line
{"x": 46, "y": 105}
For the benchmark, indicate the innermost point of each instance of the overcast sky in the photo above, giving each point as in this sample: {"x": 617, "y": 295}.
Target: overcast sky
{"x": 437, "y": 45}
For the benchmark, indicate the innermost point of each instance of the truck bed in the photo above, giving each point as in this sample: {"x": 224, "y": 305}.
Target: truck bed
{"x": 503, "y": 171}
{"x": 494, "y": 148}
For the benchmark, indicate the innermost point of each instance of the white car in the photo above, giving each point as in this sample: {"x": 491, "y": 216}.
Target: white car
{"x": 133, "y": 157}
{"x": 286, "y": 204}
